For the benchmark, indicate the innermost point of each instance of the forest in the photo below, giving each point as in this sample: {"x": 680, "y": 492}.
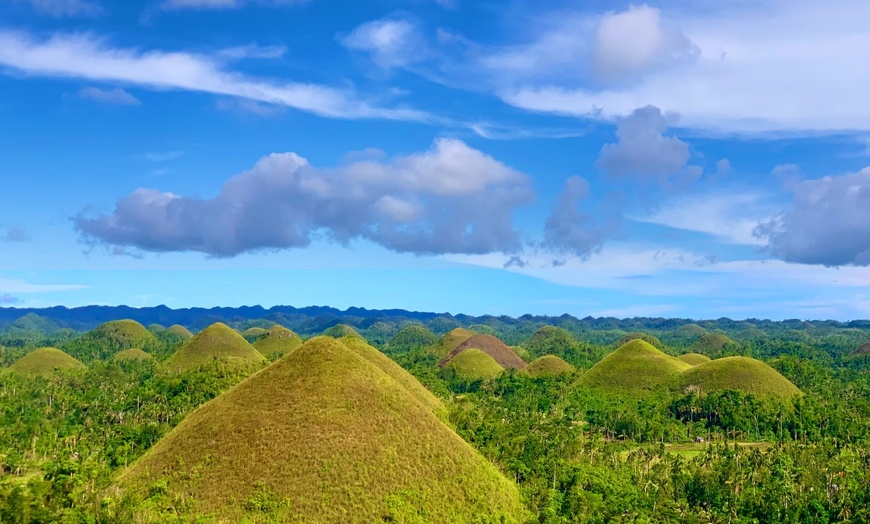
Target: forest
{"x": 587, "y": 420}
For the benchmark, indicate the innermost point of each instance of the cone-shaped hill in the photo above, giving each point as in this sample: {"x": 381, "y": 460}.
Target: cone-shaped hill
{"x": 395, "y": 371}
{"x": 45, "y": 362}
{"x": 740, "y": 374}
{"x": 329, "y": 437}
{"x": 216, "y": 341}
{"x": 694, "y": 359}
{"x": 277, "y": 341}
{"x": 635, "y": 367}
{"x": 548, "y": 366}
{"x": 646, "y": 337}
{"x": 495, "y": 348}
{"x": 450, "y": 341}
{"x": 156, "y": 328}
{"x": 474, "y": 364}
{"x": 180, "y": 330}
{"x": 109, "y": 338}
{"x": 692, "y": 330}
{"x": 134, "y": 354}
{"x": 551, "y": 340}
{"x": 341, "y": 330}
{"x": 712, "y": 343}
{"x": 410, "y": 338}
{"x": 253, "y": 333}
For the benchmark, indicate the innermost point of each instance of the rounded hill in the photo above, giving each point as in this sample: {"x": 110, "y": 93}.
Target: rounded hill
{"x": 180, "y": 330}
{"x": 739, "y": 374}
{"x": 549, "y": 366}
{"x": 693, "y": 359}
{"x": 329, "y": 437}
{"x": 692, "y": 330}
{"x": 635, "y": 367}
{"x": 341, "y": 330}
{"x": 474, "y": 364}
{"x": 495, "y": 348}
{"x": 450, "y": 341}
{"x": 122, "y": 334}
{"x": 45, "y": 362}
{"x": 134, "y": 354}
{"x": 253, "y": 333}
{"x": 218, "y": 341}
{"x": 277, "y": 341}
{"x": 410, "y": 338}
{"x": 712, "y": 343}
{"x": 646, "y": 337}
{"x": 551, "y": 340}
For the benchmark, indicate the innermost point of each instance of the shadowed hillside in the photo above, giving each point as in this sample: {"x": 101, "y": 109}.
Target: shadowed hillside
{"x": 327, "y": 436}
{"x": 45, "y": 362}
{"x": 450, "y": 341}
{"x": 215, "y": 341}
{"x": 635, "y": 367}
{"x": 739, "y": 374}
{"x": 495, "y": 348}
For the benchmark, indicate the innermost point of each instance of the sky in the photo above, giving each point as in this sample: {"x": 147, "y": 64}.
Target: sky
{"x": 666, "y": 159}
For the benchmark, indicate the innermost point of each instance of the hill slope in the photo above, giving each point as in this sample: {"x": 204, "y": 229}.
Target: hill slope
{"x": 740, "y": 374}
{"x": 216, "y": 341}
{"x": 646, "y": 337}
{"x": 45, "y": 362}
{"x": 711, "y": 343}
{"x": 109, "y": 338}
{"x": 449, "y": 341}
{"x": 474, "y": 364}
{"x": 693, "y": 359}
{"x": 551, "y": 340}
{"x": 548, "y": 366}
{"x": 495, "y": 348}
{"x": 341, "y": 330}
{"x": 132, "y": 354}
{"x": 410, "y": 338}
{"x": 277, "y": 341}
{"x": 329, "y": 437}
{"x": 635, "y": 367}
{"x": 180, "y": 330}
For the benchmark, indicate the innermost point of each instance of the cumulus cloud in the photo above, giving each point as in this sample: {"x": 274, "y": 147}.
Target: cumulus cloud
{"x": 570, "y": 229}
{"x": 8, "y": 299}
{"x": 64, "y": 8}
{"x": 633, "y": 42}
{"x": 109, "y": 96}
{"x": 449, "y": 199}
{"x": 389, "y": 42}
{"x": 827, "y": 223}
{"x": 14, "y": 234}
{"x": 642, "y": 149}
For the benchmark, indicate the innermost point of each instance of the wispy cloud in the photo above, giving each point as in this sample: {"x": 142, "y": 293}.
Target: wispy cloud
{"x": 109, "y": 96}
{"x": 163, "y": 156}
{"x": 253, "y": 51}
{"x": 64, "y": 8}
{"x": 23, "y": 287}
{"x": 171, "y": 5}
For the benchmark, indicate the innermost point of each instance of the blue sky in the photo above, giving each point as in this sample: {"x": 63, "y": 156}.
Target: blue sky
{"x": 665, "y": 159}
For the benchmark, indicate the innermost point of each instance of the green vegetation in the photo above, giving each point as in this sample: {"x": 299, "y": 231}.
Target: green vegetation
{"x": 252, "y": 334}
{"x": 483, "y": 329}
{"x": 739, "y": 374}
{"x": 692, "y": 330}
{"x": 45, "y": 362}
{"x": 181, "y": 331}
{"x": 132, "y": 354}
{"x": 341, "y": 330}
{"x": 156, "y": 328}
{"x": 411, "y": 338}
{"x": 551, "y": 340}
{"x": 331, "y": 438}
{"x": 110, "y": 338}
{"x": 713, "y": 343}
{"x": 450, "y": 341}
{"x": 217, "y": 341}
{"x": 694, "y": 359}
{"x": 633, "y": 368}
{"x": 649, "y": 339}
{"x": 473, "y": 364}
{"x": 548, "y": 366}
{"x": 277, "y": 342}
{"x": 495, "y": 348}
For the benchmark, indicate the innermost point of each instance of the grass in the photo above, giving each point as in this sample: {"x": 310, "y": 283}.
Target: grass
{"x": 341, "y": 330}
{"x": 694, "y": 359}
{"x": 548, "y": 366}
{"x": 45, "y": 362}
{"x": 473, "y": 364}
{"x": 218, "y": 341}
{"x": 132, "y": 354}
{"x": 276, "y": 342}
{"x": 551, "y": 340}
{"x": 180, "y": 330}
{"x": 322, "y": 435}
{"x": 449, "y": 341}
{"x": 635, "y": 367}
{"x": 410, "y": 338}
{"x": 495, "y": 348}
{"x": 649, "y": 339}
{"x": 740, "y": 374}
{"x": 711, "y": 343}
{"x": 254, "y": 332}
{"x": 121, "y": 334}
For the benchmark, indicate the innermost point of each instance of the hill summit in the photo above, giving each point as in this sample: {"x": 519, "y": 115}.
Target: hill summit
{"x": 326, "y": 436}
{"x": 473, "y": 364}
{"x": 277, "y": 341}
{"x": 495, "y": 348}
{"x": 740, "y": 374}
{"x": 216, "y": 341}
{"x": 548, "y": 366}
{"x": 449, "y": 341}
{"x": 45, "y": 362}
{"x": 635, "y": 366}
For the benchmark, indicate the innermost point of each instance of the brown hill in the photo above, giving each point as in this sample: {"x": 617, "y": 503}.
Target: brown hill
{"x": 495, "y": 348}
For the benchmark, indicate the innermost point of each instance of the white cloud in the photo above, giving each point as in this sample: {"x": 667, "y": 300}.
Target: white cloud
{"x": 389, "y": 42}
{"x": 253, "y": 51}
{"x": 116, "y": 96}
{"x": 23, "y": 287}
{"x": 65, "y": 8}
{"x": 86, "y": 57}
{"x": 172, "y": 5}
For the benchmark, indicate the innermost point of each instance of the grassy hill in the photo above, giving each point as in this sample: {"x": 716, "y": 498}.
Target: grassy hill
{"x": 341, "y": 330}
{"x": 252, "y": 334}
{"x": 740, "y": 374}
{"x": 635, "y": 367}
{"x": 495, "y": 348}
{"x": 109, "y": 338}
{"x": 449, "y": 341}
{"x": 216, "y": 341}
{"x": 548, "y": 366}
{"x": 694, "y": 359}
{"x": 692, "y": 330}
{"x": 410, "y": 338}
{"x": 474, "y": 364}
{"x": 712, "y": 343}
{"x": 132, "y": 355}
{"x": 551, "y": 340}
{"x": 483, "y": 329}
{"x": 646, "y": 337}
{"x": 322, "y": 435}
{"x": 45, "y": 362}
{"x": 277, "y": 341}
{"x": 180, "y": 330}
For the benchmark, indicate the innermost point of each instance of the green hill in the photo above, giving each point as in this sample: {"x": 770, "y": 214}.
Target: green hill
{"x": 181, "y": 331}
{"x": 693, "y": 359}
{"x": 483, "y": 329}
{"x": 474, "y": 364}
{"x": 551, "y": 340}
{"x": 548, "y": 366}
{"x": 341, "y": 330}
{"x": 410, "y": 338}
{"x": 635, "y": 367}
{"x": 740, "y": 374}
{"x": 156, "y": 328}
{"x": 449, "y": 341}
{"x": 712, "y": 343}
{"x": 216, "y": 341}
{"x": 495, "y": 348}
{"x": 109, "y": 338}
{"x": 45, "y": 362}
{"x": 692, "y": 330}
{"x": 649, "y": 339}
{"x": 252, "y": 334}
{"x": 278, "y": 341}
{"x": 322, "y": 435}
{"x": 131, "y": 355}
